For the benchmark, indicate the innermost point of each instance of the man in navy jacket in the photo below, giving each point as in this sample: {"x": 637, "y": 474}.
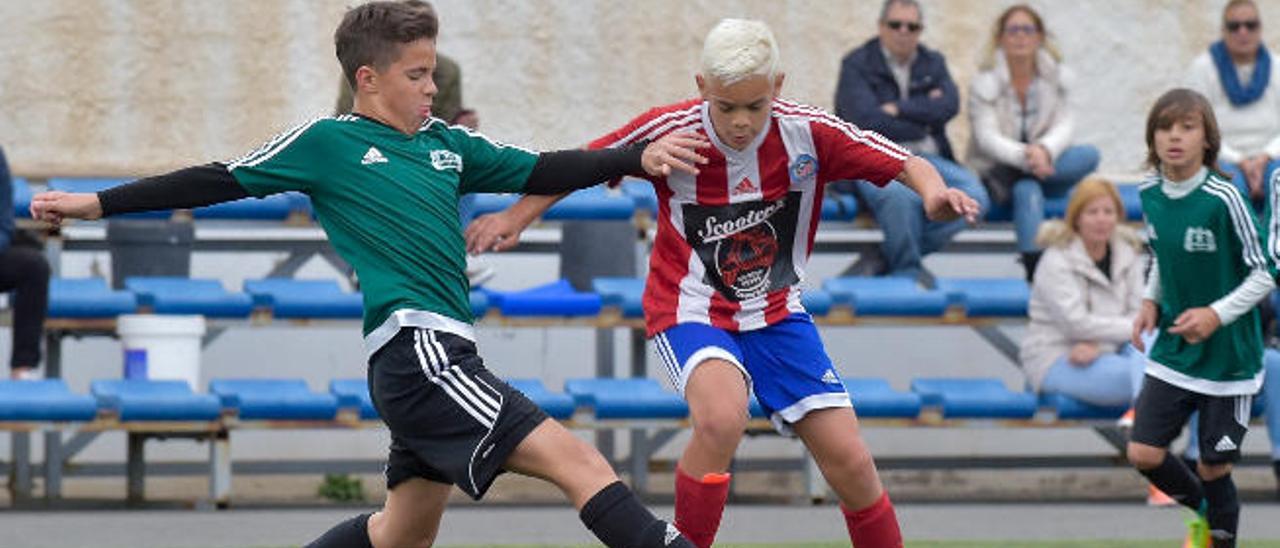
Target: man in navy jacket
{"x": 896, "y": 87}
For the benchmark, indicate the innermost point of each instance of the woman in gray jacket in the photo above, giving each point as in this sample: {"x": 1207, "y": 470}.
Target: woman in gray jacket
{"x": 1022, "y": 125}
{"x": 1084, "y": 297}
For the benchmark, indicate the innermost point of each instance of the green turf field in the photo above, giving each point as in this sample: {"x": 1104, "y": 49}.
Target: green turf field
{"x": 1171, "y": 543}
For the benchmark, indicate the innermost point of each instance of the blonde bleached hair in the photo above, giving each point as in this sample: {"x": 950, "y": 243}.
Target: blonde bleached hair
{"x": 737, "y": 49}
{"x": 1058, "y": 233}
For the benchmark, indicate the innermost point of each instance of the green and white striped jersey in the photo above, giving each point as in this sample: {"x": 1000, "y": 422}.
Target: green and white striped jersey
{"x": 389, "y": 204}
{"x": 1206, "y": 244}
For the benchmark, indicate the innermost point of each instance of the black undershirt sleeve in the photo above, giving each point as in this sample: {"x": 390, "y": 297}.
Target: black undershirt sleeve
{"x": 185, "y": 188}
{"x": 565, "y": 170}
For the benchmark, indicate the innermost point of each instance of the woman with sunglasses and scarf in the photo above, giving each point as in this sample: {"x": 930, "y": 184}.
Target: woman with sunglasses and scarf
{"x": 1236, "y": 75}
{"x": 1022, "y": 125}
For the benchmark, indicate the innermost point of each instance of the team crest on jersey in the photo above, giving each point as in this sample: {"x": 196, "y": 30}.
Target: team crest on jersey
{"x": 1199, "y": 239}
{"x": 443, "y": 160}
{"x": 804, "y": 168}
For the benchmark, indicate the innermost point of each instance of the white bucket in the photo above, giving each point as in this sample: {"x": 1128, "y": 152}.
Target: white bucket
{"x": 162, "y": 346}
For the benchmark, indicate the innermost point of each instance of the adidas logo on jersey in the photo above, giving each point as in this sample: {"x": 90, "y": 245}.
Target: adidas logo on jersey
{"x": 1199, "y": 239}
{"x": 1225, "y": 444}
{"x": 745, "y": 186}
{"x": 374, "y": 156}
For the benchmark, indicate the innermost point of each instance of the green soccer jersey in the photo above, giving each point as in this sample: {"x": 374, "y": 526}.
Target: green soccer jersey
{"x": 389, "y": 204}
{"x": 1206, "y": 244}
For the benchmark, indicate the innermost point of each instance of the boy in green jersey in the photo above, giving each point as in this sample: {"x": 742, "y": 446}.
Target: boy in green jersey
{"x": 1208, "y": 274}
{"x": 385, "y": 182}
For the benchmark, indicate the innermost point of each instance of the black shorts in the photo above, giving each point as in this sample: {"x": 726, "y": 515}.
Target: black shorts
{"x": 1163, "y": 409}
{"x": 451, "y": 420}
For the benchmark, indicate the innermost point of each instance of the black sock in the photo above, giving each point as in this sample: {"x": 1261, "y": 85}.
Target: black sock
{"x": 1176, "y": 480}
{"x": 1224, "y": 510}
{"x": 353, "y": 533}
{"x": 618, "y": 519}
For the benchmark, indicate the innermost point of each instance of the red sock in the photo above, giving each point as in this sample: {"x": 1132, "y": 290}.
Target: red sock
{"x": 699, "y": 505}
{"x": 875, "y": 526}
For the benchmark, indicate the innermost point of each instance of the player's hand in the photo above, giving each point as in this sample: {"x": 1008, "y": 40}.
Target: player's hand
{"x": 1196, "y": 324}
{"x": 53, "y": 207}
{"x": 951, "y": 204}
{"x": 1144, "y": 323}
{"x": 674, "y": 151}
{"x": 1083, "y": 353}
{"x": 493, "y": 232}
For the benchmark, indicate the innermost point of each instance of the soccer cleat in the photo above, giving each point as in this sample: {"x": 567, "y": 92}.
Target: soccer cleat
{"x": 1197, "y": 533}
{"x": 1156, "y": 497}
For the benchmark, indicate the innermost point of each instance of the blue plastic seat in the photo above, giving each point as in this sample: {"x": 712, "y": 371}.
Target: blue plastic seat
{"x": 290, "y": 298}
{"x": 625, "y": 294}
{"x": 816, "y": 301}
{"x": 44, "y": 400}
{"x": 354, "y": 394}
{"x": 479, "y": 303}
{"x": 554, "y": 299}
{"x": 559, "y": 406}
{"x": 92, "y": 184}
{"x": 1056, "y": 208}
{"x": 1069, "y": 408}
{"x": 88, "y": 298}
{"x": 167, "y": 295}
{"x": 985, "y": 398}
{"x": 274, "y": 399}
{"x": 839, "y": 207}
{"x": 155, "y": 400}
{"x": 275, "y": 207}
{"x": 888, "y": 296}
{"x": 596, "y": 203}
{"x": 642, "y": 193}
{"x": 988, "y": 296}
{"x": 626, "y": 398}
{"x": 21, "y": 198}
{"x": 875, "y": 398}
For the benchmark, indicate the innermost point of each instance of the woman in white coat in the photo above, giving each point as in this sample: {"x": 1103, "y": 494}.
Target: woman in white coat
{"x": 1023, "y": 125}
{"x": 1084, "y": 297}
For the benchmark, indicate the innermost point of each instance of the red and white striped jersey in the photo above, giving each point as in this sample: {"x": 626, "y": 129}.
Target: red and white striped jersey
{"x": 733, "y": 241}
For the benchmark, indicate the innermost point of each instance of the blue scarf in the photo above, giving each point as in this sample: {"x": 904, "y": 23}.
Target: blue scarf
{"x": 1241, "y": 96}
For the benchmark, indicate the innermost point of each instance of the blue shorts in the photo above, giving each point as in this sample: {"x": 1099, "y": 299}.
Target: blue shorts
{"x": 785, "y": 364}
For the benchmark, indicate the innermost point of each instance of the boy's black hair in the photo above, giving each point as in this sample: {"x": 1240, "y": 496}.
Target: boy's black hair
{"x": 372, "y": 34}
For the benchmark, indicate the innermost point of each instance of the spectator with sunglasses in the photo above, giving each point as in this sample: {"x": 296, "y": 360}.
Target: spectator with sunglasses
{"x": 1235, "y": 74}
{"x": 1022, "y": 125}
{"x": 895, "y": 86}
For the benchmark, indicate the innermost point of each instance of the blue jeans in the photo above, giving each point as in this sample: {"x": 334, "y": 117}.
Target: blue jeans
{"x": 908, "y": 235}
{"x": 1112, "y": 379}
{"x": 1237, "y": 178}
{"x": 1028, "y": 193}
{"x": 1271, "y": 396}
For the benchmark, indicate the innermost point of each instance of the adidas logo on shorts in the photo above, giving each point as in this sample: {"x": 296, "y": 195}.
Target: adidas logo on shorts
{"x": 671, "y": 536}
{"x": 1225, "y": 444}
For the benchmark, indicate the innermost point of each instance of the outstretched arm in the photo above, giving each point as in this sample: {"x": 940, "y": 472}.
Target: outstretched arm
{"x": 557, "y": 173}
{"x": 940, "y": 203}
{"x": 186, "y": 188}
{"x": 568, "y": 170}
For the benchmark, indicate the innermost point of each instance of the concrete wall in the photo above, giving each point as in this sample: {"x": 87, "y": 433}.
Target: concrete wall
{"x": 119, "y": 87}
